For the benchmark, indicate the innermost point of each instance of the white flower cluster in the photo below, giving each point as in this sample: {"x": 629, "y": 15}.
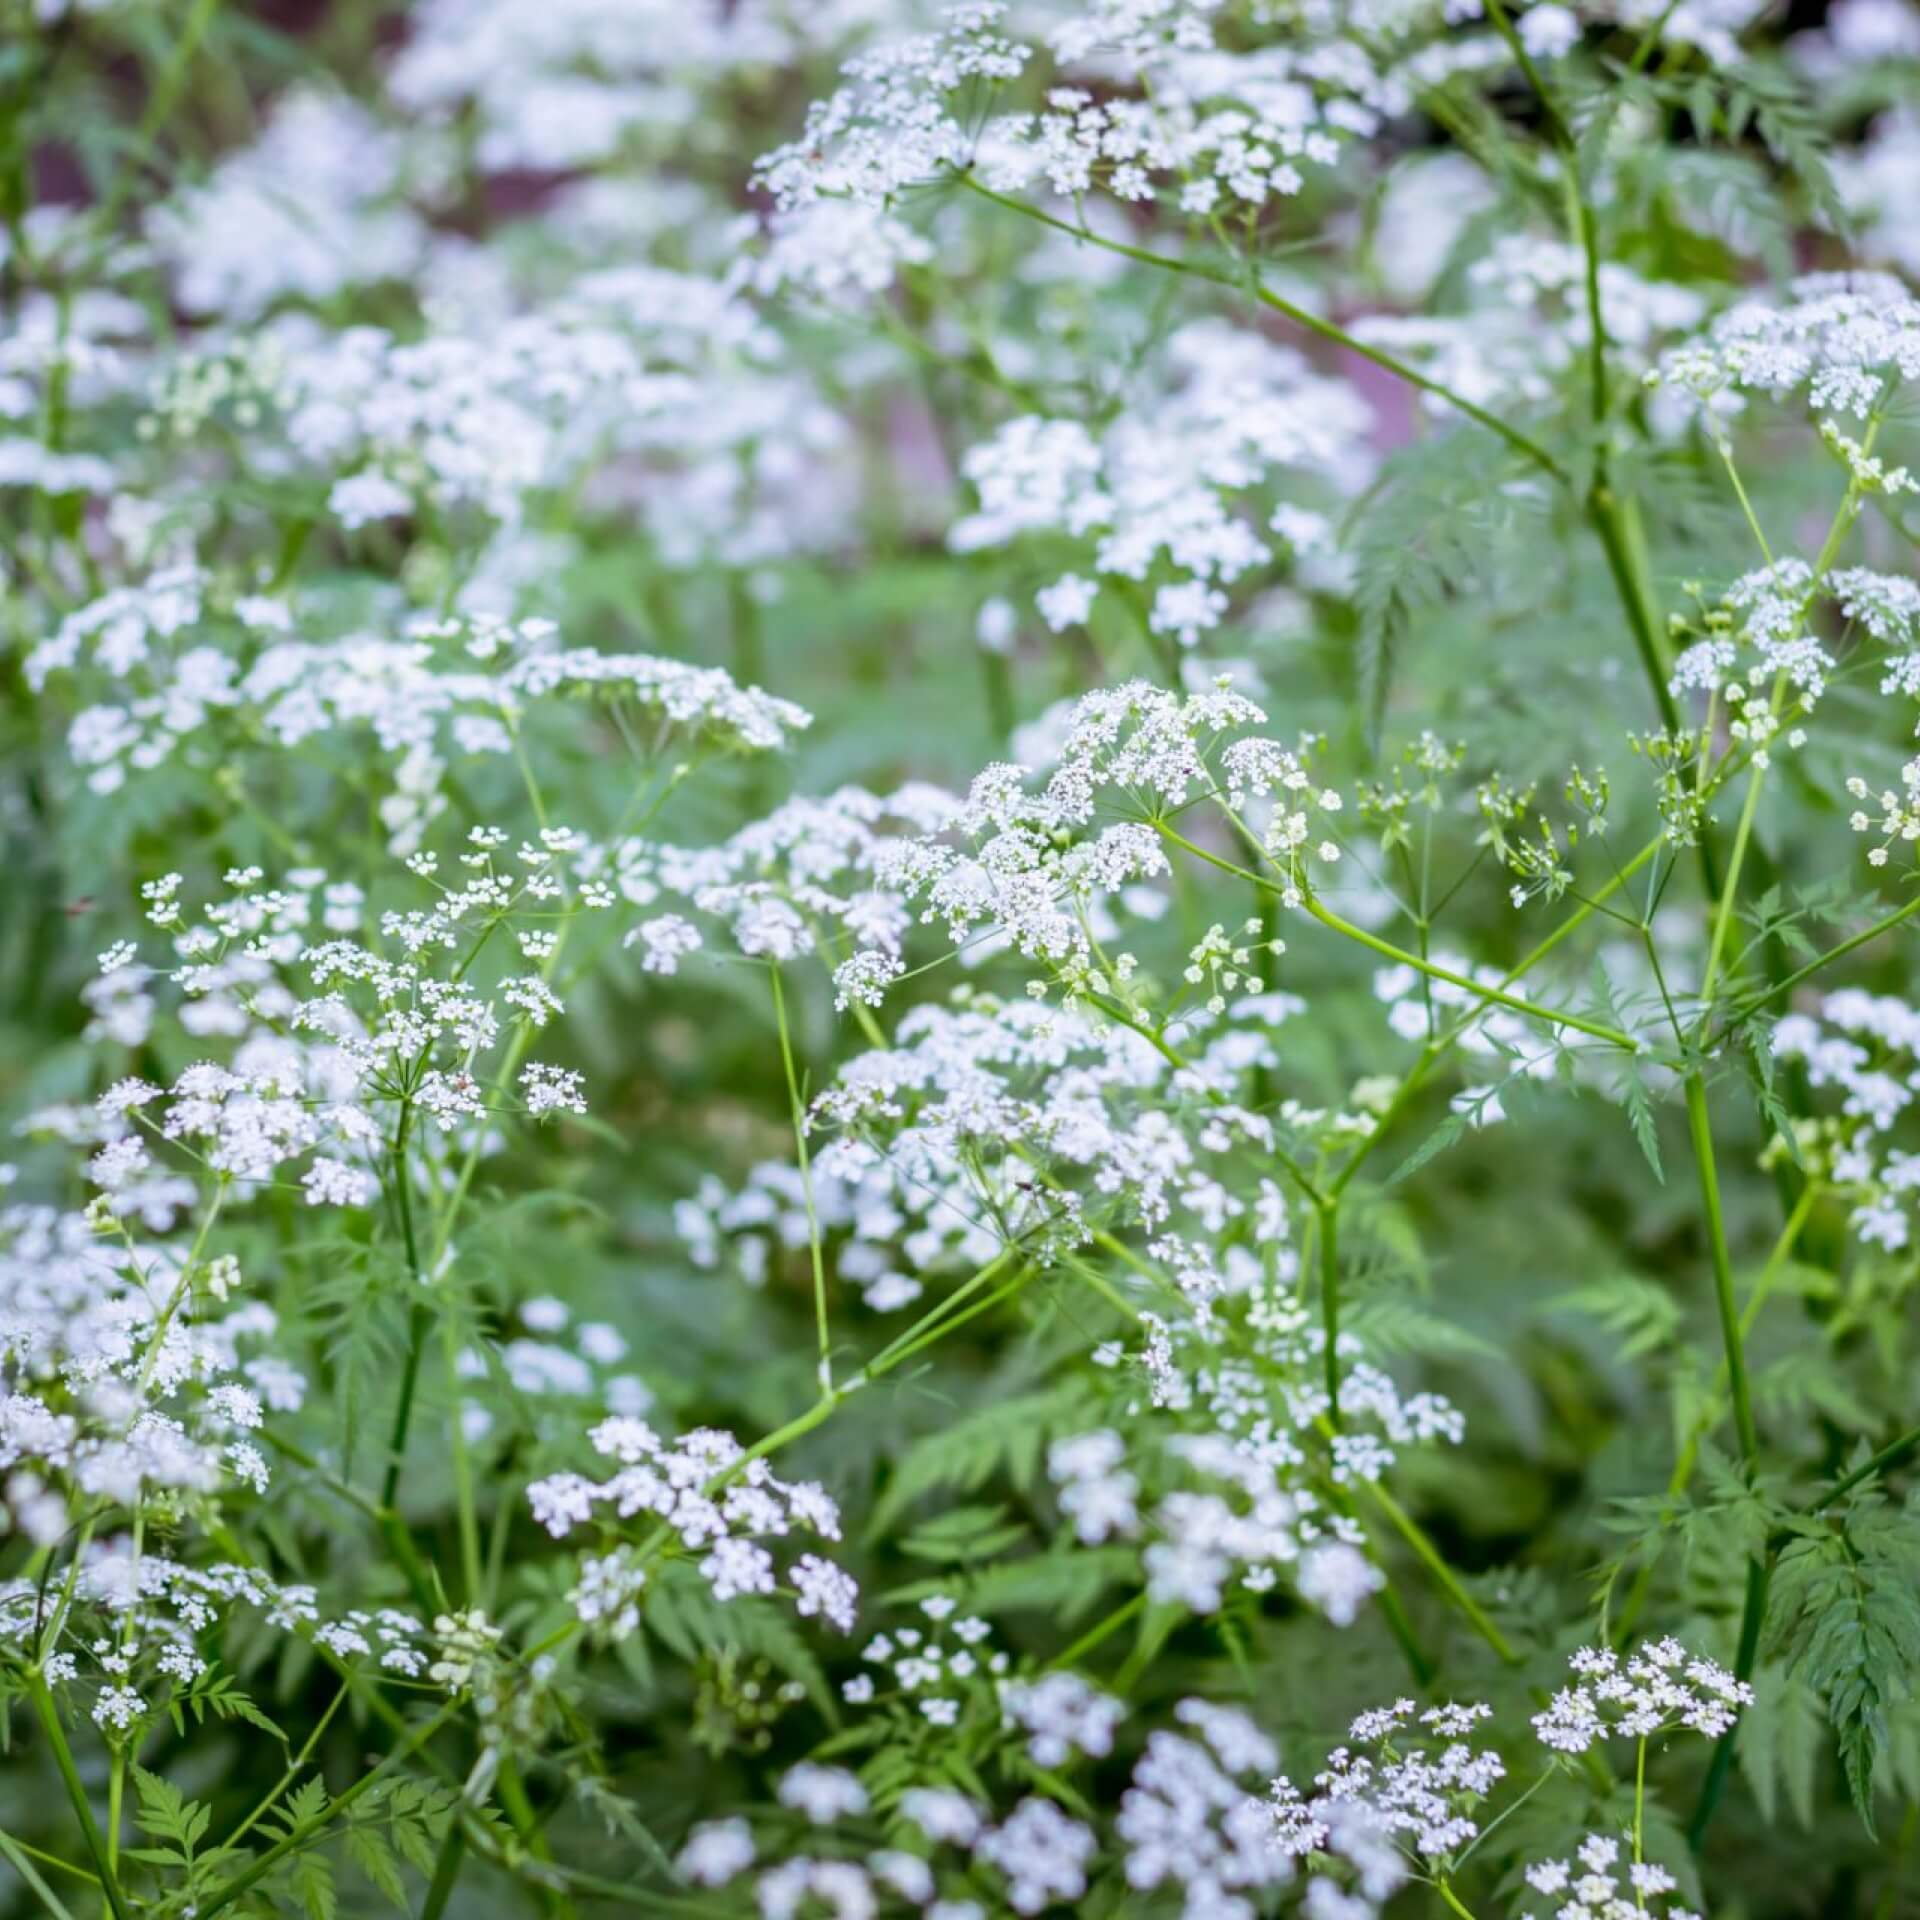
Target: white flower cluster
{"x": 1845, "y": 338}
{"x": 1156, "y": 492}
{"x": 1866, "y": 1048}
{"x": 712, "y": 1497}
{"x": 1411, "y": 1801}
{"x": 1657, "y": 1687}
{"x": 305, "y": 212}
{"x": 1420, "y": 1785}
{"x": 935, "y": 1670}
{"x": 1754, "y": 649}
{"x": 1061, "y": 1715}
{"x": 1200, "y": 1540}
{"x": 809, "y": 877}
{"x": 1186, "y": 1821}
{"x": 137, "y": 1625}
{"x": 1592, "y": 1886}
{"x": 1219, "y": 134}
{"x": 1025, "y": 872}
{"x": 179, "y": 678}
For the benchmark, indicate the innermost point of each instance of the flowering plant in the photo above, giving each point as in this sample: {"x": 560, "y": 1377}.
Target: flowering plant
{"x": 956, "y": 958}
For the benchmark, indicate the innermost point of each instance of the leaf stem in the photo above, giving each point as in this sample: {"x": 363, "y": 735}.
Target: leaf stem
{"x": 1497, "y": 996}
{"x": 249, "y": 1877}
{"x": 17, "y": 1859}
{"x": 1431, "y": 1557}
{"x": 298, "y": 1761}
{"x": 1312, "y": 322}
{"x": 1819, "y": 962}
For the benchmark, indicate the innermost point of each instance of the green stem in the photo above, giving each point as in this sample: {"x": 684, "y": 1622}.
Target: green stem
{"x": 1330, "y": 1307}
{"x": 298, "y": 1761}
{"x": 1500, "y": 1819}
{"x": 1325, "y": 329}
{"x": 230, "y": 1890}
{"x": 1759, "y": 1570}
{"x": 1701, "y": 1129}
{"x": 446, "y": 1872}
{"x": 1710, "y": 1418}
{"x": 1753, "y": 1611}
{"x": 1496, "y": 996}
{"x": 1888, "y": 1456}
{"x": 799, "y": 1115}
{"x": 1434, "y": 1561}
{"x": 17, "y": 1859}
{"x": 526, "y": 1823}
{"x": 1438, "y": 1048}
{"x": 49, "y": 1717}
{"x": 1605, "y": 512}
{"x": 1400, "y": 1624}
{"x": 1723, "y": 913}
{"x": 1639, "y": 1813}
{"x": 1824, "y": 960}
{"x": 166, "y": 93}
{"x": 1101, "y": 1630}
{"x": 419, "y": 1318}
{"x": 467, "y": 1512}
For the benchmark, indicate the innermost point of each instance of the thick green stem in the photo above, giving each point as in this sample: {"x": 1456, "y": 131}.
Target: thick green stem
{"x": 446, "y": 1872}
{"x": 419, "y": 1318}
{"x": 1759, "y": 1571}
{"x": 49, "y": 1717}
{"x": 1753, "y": 1613}
{"x": 1711, "y": 1416}
{"x": 1329, "y": 1217}
{"x": 1607, "y": 516}
{"x": 1639, "y": 1814}
{"x": 1731, "y": 1338}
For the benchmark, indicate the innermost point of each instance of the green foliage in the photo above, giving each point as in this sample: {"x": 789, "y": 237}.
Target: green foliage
{"x": 1846, "y": 1618}
{"x": 1005, "y": 1436}
{"x": 1317, "y": 1069}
